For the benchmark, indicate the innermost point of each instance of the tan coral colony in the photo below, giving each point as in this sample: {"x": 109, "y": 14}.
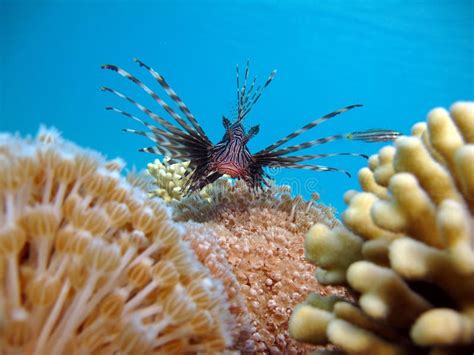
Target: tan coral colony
{"x": 254, "y": 242}
{"x": 90, "y": 265}
{"x": 407, "y": 247}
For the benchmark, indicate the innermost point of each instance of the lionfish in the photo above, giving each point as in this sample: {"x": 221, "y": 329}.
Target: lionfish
{"x": 231, "y": 155}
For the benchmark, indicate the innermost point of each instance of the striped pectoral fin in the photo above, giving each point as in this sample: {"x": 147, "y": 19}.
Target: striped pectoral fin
{"x": 181, "y": 138}
{"x": 155, "y": 137}
{"x": 309, "y": 126}
{"x": 374, "y": 135}
{"x": 150, "y": 92}
{"x": 207, "y": 180}
{"x": 158, "y": 150}
{"x": 175, "y": 143}
{"x": 299, "y": 158}
{"x": 262, "y": 160}
{"x": 370, "y": 136}
{"x": 310, "y": 167}
{"x": 154, "y": 150}
{"x": 172, "y": 94}
{"x": 174, "y": 148}
{"x": 198, "y": 179}
{"x": 172, "y": 128}
{"x": 306, "y": 145}
{"x": 126, "y": 114}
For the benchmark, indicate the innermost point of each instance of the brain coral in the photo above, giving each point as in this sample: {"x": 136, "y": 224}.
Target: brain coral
{"x": 89, "y": 264}
{"x": 254, "y": 242}
{"x": 407, "y": 247}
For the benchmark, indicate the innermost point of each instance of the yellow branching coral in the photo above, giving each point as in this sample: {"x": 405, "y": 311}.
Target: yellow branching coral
{"x": 90, "y": 265}
{"x": 407, "y": 247}
{"x": 254, "y": 242}
{"x": 169, "y": 178}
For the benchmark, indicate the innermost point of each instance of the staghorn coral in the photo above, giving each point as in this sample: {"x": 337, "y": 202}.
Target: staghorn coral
{"x": 254, "y": 243}
{"x": 89, "y": 264}
{"x": 407, "y": 247}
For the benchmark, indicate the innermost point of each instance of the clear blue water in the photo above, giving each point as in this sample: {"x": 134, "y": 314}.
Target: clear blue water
{"x": 398, "y": 58}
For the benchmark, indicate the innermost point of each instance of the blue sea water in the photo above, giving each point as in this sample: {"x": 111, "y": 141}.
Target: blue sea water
{"x": 399, "y": 58}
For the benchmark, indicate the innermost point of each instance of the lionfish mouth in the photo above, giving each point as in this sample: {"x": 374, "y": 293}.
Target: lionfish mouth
{"x": 229, "y": 169}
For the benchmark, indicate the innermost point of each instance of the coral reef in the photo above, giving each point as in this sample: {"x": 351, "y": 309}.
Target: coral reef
{"x": 169, "y": 179}
{"x": 254, "y": 242}
{"x": 89, "y": 264}
{"x": 225, "y": 196}
{"x": 205, "y": 242}
{"x": 407, "y": 247}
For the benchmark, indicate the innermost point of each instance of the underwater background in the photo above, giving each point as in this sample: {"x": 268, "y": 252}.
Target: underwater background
{"x": 397, "y": 58}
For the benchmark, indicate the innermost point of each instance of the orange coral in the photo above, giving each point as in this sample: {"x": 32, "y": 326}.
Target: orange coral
{"x": 225, "y": 195}
{"x": 259, "y": 239}
{"x": 204, "y": 241}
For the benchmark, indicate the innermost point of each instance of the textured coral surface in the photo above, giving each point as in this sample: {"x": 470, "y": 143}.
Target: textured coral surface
{"x": 407, "y": 247}
{"x": 254, "y": 242}
{"x": 169, "y": 179}
{"x": 90, "y": 265}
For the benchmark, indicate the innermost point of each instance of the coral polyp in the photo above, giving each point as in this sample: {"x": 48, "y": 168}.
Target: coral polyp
{"x": 90, "y": 265}
{"x": 254, "y": 243}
